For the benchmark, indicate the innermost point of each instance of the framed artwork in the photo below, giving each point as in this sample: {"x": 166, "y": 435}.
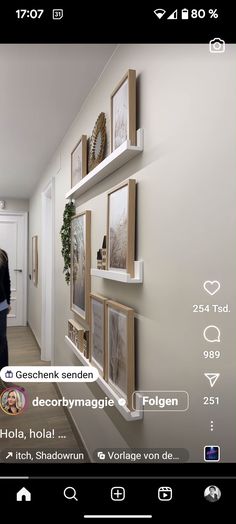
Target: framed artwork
{"x": 123, "y": 111}
{"x": 119, "y": 350}
{"x": 97, "y": 142}
{"x": 79, "y": 161}
{"x": 80, "y": 264}
{"x": 79, "y": 336}
{"x": 76, "y": 334}
{"x": 97, "y": 332}
{"x": 35, "y": 260}
{"x": 121, "y": 228}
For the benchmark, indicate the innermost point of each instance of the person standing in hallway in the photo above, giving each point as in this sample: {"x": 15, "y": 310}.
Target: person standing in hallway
{"x": 5, "y": 308}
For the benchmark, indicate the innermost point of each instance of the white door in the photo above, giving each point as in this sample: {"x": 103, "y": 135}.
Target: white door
{"x": 13, "y": 239}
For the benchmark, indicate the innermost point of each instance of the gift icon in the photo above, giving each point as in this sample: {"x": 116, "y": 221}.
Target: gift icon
{"x": 8, "y": 374}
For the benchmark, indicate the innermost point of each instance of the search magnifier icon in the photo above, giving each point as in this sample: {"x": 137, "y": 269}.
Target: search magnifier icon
{"x": 70, "y": 493}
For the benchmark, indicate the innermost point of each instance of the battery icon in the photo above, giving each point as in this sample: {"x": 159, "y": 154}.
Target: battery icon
{"x": 184, "y": 14}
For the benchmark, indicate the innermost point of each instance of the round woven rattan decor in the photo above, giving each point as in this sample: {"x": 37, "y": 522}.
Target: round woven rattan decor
{"x": 97, "y": 142}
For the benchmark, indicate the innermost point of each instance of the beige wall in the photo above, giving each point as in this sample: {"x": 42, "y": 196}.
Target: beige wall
{"x": 185, "y": 216}
{"x": 16, "y": 205}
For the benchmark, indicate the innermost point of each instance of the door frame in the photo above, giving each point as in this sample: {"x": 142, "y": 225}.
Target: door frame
{"x": 47, "y": 273}
{"x": 24, "y": 259}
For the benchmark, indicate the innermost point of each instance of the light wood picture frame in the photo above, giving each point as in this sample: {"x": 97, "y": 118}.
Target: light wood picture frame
{"x": 80, "y": 282}
{"x": 119, "y": 350}
{"x": 35, "y": 260}
{"x": 79, "y": 161}
{"x": 123, "y": 111}
{"x": 121, "y": 227}
{"x": 97, "y": 332}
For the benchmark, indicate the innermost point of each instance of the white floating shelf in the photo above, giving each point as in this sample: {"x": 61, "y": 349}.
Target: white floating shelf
{"x": 111, "y": 163}
{"x": 121, "y": 276}
{"x": 124, "y": 411}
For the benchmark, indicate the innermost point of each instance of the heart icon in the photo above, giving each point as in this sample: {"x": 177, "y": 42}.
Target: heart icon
{"x": 211, "y": 286}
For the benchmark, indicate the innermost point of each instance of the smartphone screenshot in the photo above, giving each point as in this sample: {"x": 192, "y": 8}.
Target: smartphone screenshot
{"x": 117, "y": 259}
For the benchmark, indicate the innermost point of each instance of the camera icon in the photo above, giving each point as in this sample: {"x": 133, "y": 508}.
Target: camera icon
{"x": 217, "y": 45}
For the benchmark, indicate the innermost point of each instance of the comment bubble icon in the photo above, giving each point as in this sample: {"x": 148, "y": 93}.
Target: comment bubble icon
{"x": 211, "y": 334}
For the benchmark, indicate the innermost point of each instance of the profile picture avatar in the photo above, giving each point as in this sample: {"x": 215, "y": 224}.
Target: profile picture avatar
{"x": 212, "y": 493}
{"x": 13, "y": 401}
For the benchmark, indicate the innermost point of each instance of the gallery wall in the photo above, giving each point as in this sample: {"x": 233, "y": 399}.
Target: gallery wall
{"x": 184, "y": 181}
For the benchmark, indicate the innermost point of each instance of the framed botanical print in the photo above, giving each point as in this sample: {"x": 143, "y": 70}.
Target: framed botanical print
{"x": 35, "y": 260}
{"x": 97, "y": 332}
{"x": 123, "y": 111}
{"x": 121, "y": 228}
{"x": 80, "y": 264}
{"x": 120, "y": 373}
{"x": 79, "y": 161}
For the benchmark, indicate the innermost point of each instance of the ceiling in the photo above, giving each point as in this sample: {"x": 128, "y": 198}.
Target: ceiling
{"x": 42, "y": 88}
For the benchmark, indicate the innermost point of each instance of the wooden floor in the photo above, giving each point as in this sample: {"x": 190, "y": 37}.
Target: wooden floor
{"x": 23, "y": 350}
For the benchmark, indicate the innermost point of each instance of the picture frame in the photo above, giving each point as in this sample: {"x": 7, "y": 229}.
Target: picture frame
{"x": 76, "y": 334}
{"x": 35, "y": 260}
{"x": 97, "y": 332}
{"x": 119, "y": 350}
{"x": 123, "y": 111}
{"x": 80, "y": 282}
{"x": 79, "y": 161}
{"x": 120, "y": 238}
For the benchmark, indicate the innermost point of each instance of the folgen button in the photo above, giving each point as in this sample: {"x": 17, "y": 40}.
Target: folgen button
{"x": 161, "y": 400}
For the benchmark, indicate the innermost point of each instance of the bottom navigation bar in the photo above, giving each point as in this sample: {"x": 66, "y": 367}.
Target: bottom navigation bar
{"x": 123, "y": 498}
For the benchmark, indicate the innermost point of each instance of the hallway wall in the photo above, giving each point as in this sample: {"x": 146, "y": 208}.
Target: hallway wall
{"x": 16, "y": 205}
{"x": 35, "y": 228}
{"x": 185, "y": 104}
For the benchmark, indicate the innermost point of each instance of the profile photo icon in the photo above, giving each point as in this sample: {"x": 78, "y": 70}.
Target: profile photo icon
{"x": 13, "y": 401}
{"x": 212, "y": 494}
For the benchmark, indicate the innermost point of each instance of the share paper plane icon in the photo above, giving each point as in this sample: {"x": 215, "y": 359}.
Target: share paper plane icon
{"x": 212, "y": 377}
{"x": 160, "y": 13}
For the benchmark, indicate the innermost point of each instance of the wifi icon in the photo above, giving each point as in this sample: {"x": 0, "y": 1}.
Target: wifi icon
{"x": 159, "y": 13}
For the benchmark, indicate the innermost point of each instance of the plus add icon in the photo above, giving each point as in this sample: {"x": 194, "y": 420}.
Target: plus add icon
{"x": 118, "y": 493}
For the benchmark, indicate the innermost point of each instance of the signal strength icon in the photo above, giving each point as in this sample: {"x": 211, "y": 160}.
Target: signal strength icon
{"x": 159, "y": 13}
{"x": 173, "y": 15}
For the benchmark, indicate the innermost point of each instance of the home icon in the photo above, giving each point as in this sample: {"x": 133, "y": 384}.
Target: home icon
{"x": 23, "y": 495}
